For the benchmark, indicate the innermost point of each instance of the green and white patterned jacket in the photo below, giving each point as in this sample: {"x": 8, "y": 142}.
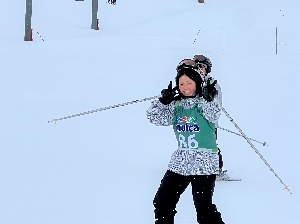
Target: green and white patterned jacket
{"x": 193, "y": 121}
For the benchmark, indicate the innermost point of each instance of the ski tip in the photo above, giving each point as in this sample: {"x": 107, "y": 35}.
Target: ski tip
{"x": 229, "y": 180}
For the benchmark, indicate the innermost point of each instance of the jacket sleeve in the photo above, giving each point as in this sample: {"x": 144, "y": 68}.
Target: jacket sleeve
{"x": 160, "y": 114}
{"x": 219, "y": 95}
{"x": 212, "y": 110}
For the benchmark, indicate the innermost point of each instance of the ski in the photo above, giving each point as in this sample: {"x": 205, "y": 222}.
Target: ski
{"x": 223, "y": 176}
{"x": 229, "y": 179}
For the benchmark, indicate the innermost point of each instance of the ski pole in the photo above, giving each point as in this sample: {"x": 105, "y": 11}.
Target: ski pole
{"x": 263, "y": 143}
{"x": 196, "y": 36}
{"x": 257, "y": 152}
{"x": 103, "y": 108}
{"x": 40, "y": 36}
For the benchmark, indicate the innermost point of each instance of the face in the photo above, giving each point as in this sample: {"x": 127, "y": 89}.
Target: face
{"x": 187, "y": 86}
{"x": 203, "y": 69}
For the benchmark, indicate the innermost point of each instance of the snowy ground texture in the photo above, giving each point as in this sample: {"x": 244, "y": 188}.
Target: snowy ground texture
{"x": 106, "y": 167}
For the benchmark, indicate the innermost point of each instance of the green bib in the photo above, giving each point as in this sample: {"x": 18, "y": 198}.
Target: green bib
{"x": 192, "y": 130}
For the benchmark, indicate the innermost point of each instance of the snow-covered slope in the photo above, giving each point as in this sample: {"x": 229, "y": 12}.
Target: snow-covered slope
{"x": 106, "y": 167}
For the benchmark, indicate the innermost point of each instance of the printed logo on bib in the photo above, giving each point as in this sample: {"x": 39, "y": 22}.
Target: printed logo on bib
{"x": 189, "y": 124}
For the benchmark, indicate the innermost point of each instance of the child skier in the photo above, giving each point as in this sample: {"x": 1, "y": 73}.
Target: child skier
{"x": 204, "y": 63}
{"x": 193, "y": 112}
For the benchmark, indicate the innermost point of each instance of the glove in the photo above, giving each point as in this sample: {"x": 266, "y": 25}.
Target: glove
{"x": 210, "y": 91}
{"x": 168, "y": 95}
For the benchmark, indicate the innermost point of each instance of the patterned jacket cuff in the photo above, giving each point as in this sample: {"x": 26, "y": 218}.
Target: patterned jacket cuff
{"x": 160, "y": 114}
{"x": 212, "y": 110}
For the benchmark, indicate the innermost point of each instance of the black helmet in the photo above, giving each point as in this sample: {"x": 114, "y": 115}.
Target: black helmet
{"x": 204, "y": 61}
{"x": 187, "y": 63}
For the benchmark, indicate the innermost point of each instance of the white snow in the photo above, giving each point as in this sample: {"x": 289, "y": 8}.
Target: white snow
{"x": 105, "y": 167}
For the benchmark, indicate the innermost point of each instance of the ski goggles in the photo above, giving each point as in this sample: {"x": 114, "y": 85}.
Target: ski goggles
{"x": 187, "y": 63}
{"x": 199, "y": 58}
{"x": 201, "y": 65}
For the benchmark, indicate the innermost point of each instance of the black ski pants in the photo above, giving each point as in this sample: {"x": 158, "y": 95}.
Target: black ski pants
{"x": 173, "y": 185}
